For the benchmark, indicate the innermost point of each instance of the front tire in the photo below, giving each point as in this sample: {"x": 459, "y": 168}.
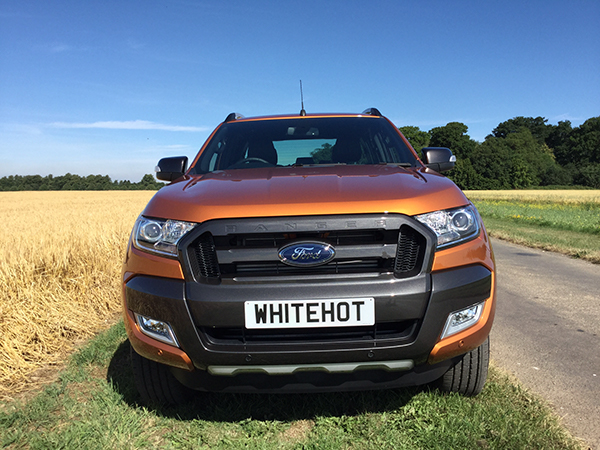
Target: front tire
{"x": 468, "y": 376}
{"x": 156, "y": 384}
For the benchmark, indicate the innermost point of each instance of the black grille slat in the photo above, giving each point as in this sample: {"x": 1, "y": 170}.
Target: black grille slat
{"x": 240, "y": 336}
{"x": 270, "y": 268}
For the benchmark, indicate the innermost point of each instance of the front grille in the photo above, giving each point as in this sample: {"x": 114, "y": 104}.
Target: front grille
{"x": 397, "y": 331}
{"x": 202, "y": 255}
{"x": 409, "y": 256}
{"x": 244, "y": 248}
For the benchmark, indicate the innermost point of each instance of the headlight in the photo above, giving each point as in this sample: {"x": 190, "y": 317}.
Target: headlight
{"x": 453, "y": 225}
{"x": 159, "y": 236}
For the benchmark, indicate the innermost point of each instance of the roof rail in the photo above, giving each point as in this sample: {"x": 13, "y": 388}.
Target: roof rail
{"x": 233, "y": 116}
{"x": 372, "y": 112}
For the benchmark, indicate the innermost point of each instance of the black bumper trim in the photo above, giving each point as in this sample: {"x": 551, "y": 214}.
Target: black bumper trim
{"x": 451, "y": 290}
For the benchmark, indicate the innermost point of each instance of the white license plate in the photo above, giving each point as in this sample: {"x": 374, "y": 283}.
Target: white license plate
{"x": 346, "y": 312}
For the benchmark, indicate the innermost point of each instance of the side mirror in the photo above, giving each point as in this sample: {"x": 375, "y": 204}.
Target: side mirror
{"x": 439, "y": 159}
{"x": 169, "y": 169}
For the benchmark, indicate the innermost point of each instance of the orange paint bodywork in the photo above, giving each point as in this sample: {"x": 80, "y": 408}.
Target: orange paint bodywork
{"x": 152, "y": 349}
{"x": 478, "y": 250}
{"x": 288, "y": 191}
{"x": 139, "y": 262}
{"x": 468, "y": 339}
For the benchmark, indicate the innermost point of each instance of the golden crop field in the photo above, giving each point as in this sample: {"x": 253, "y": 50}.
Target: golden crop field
{"x": 557, "y": 196}
{"x": 60, "y": 260}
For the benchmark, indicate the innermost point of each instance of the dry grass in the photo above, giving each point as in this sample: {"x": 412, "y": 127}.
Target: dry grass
{"x": 557, "y": 196}
{"x": 298, "y": 432}
{"x": 60, "y": 259}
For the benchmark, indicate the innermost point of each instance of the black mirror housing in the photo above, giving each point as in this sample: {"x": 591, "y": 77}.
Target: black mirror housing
{"x": 439, "y": 159}
{"x": 169, "y": 169}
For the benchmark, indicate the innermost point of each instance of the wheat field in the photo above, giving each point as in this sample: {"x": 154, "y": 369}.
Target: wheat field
{"x": 60, "y": 260}
{"x": 554, "y": 196}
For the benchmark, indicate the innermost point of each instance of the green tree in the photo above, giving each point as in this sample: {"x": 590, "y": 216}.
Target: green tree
{"x": 70, "y": 182}
{"x": 516, "y": 161}
{"x": 417, "y": 138}
{"x": 521, "y": 174}
{"x": 585, "y": 142}
{"x": 577, "y": 150}
{"x": 32, "y": 182}
{"x": 537, "y": 157}
{"x": 96, "y": 183}
{"x": 465, "y": 175}
{"x": 492, "y": 161}
{"x": 558, "y": 176}
{"x": 559, "y": 141}
{"x": 537, "y": 126}
{"x": 123, "y": 185}
{"x": 588, "y": 175}
{"x": 453, "y": 136}
{"x": 149, "y": 183}
{"x": 47, "y": 184}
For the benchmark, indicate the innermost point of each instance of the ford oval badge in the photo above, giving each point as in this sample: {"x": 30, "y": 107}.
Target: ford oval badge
{"x": 306, "y": 254}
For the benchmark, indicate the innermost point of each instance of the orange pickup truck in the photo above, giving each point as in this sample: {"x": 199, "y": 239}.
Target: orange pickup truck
{"x": 308, "y": 253}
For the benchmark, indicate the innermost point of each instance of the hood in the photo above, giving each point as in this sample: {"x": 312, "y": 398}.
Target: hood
{"x": 296, "y": 191}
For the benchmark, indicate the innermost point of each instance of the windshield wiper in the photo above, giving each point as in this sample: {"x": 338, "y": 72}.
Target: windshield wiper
{"x": 399, "y": 164}
{"x": 317, "y": 164}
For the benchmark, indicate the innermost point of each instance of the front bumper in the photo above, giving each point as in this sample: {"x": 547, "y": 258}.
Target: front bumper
{"x": 211, "y": 361}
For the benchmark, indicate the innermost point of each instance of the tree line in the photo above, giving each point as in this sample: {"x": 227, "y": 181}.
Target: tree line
{"x": 522, "y": 152}
{"x": 70, "y": 182}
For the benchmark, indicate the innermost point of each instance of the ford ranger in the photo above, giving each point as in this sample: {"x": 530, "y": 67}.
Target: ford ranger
{"x": 308, "y": 253}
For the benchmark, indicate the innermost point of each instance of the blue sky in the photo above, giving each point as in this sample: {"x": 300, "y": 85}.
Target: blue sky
{"x": 109, "y": 87}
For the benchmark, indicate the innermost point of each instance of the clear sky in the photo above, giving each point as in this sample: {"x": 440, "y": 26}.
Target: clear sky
{"x": 109, "y": 87}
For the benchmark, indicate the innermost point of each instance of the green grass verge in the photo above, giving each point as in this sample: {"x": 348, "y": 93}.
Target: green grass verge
{"x": 580, "y": 217}
{"x": 94, "y": 405}
{"x": 571, "y": 229}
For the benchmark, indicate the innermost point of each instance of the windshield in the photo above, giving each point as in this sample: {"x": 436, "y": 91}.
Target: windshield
{"x": 304, "y": 141}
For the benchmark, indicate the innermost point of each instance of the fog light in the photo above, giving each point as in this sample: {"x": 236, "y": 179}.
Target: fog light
{"x": 463, "y": 319}
{"x": 156, "y": 329}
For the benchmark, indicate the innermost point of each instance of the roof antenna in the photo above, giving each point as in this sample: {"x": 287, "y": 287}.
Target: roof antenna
{"x": 302, "y": 111}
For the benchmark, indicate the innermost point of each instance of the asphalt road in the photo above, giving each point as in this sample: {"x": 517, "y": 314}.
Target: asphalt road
{"x": 547, "y": 332}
